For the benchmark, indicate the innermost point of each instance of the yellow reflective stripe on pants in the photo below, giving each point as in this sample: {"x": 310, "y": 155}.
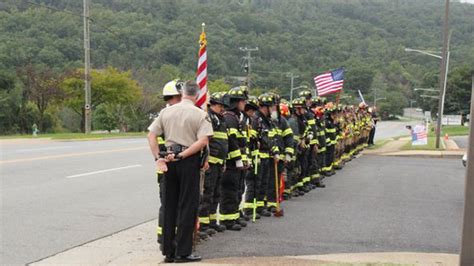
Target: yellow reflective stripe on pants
{"x": 159, "y": 230}
{"x": 264, "y": 155}
{"x": 213, "y": 217}
{"x": 299, "y": 184}
{"x": 260, "y": 203}
{"x": 229, "y": 217}
{"x": 306, "y": 179}
{"x": 204, "y": 220}
{"x": 315, "y": 176}
{"x": 249, "y": 205}
{"x": 215, "y": 160}
{"x": 289, "y": 150}
{"x": 271, "y": 204}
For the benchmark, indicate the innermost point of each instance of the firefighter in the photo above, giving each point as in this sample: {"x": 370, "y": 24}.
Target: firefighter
{"x": 265, "y": 134}
{"x": 313, "y": 175}
{"x": 218, "y": 146}
{"x": 284, "y": 147}
{"x": 236, "y": 160}
{"x": 171, "y": 95}
{"x": 290, "y": 158}
{"x": 330, "y": 139}
{"x": 299, "y": 128}
{"x": 252, "y": 179}
{"x": 321, "y": 136}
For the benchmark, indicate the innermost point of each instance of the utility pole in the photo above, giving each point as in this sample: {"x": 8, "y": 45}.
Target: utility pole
{"x": 87, "y": 65}
{"x": 443, "y": 73}
{"x": 248, "y": 63}
{"x": 292, "y": 82}
{"x": 467, "y": 244}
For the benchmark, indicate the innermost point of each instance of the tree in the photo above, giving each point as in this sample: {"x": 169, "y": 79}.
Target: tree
{"x": 42, "y": 87}
{"x": 108, "y": 86}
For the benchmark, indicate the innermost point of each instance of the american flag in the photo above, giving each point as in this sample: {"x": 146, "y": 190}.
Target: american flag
{"x": 329, "y": 82}
{"x": 201, "y": 75}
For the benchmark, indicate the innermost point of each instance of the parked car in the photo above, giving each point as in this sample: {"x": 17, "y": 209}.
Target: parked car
{"x": 464, "y": 160}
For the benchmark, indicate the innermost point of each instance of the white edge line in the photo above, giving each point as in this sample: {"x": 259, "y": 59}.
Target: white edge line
{"x": 105, "y": 170}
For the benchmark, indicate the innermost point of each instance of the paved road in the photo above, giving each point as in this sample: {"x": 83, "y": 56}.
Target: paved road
{"x": 373, "y": 204}
{"x": 57, "y": 195}
{"x": 390, "y": 129}
{"x": 461, "y": 141}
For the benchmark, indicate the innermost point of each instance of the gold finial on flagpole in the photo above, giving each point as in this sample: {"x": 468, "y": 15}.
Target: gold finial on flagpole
{"x": 203, "y": 25}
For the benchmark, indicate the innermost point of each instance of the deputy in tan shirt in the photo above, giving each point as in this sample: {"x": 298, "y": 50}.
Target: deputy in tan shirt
{"x": 186, "y": 131}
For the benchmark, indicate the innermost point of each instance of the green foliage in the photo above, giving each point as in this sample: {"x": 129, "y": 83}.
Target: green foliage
{"x": 157, "y": 41}
{"x": 108, "y": 86}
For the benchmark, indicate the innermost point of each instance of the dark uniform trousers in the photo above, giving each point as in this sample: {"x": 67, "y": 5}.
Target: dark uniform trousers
{"x": 253, "y": 182}
{"x": 181, "y": 204}
{"x": 211, "y": 195}
{"x": 161, "y": 216}
{"x": 329, "y": 159}
{"x": 264, "y": 172}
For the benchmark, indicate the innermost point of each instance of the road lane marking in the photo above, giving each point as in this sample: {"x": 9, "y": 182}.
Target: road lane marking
{"x": 44, "y": 149}
{"x": 61, "y": 156}
{"x": 105, "y": 171}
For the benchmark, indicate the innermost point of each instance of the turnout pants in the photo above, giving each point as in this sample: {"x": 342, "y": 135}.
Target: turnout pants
{"x": 230, "y": 189}
{"x": 271, "y": 188}
{"x": 181, "y": 204}
{"x": 329, "y": 160}
{"x": 210, "y": 196}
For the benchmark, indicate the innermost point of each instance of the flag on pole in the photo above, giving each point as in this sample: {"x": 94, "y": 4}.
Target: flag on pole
{"x": 201, "y": 75}
{"x": 329, "y": 82}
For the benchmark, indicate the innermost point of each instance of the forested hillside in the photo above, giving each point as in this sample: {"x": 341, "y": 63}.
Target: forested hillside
{"x": 157, "y": 40}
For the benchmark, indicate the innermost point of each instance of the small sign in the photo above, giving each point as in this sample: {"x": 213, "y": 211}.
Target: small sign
{"x": 419, "y": 135}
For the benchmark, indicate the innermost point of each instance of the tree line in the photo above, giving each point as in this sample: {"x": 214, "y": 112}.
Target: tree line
{"x": 139, "y": 45}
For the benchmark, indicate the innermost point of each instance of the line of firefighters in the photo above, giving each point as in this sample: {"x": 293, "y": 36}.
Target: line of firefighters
{"x": 266, "y": 150}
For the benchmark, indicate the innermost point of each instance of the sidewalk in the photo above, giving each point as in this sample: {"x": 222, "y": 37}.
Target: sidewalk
{"x": 394, "y": 148}
{"x": 137, "y": 246}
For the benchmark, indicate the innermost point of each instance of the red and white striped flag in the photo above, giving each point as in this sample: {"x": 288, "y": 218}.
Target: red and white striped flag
{"x": 201, "y": 75}
{"x": 330, "y": 82}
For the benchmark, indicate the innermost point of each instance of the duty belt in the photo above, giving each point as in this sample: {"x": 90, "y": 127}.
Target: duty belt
{"x": 176, "y": 148}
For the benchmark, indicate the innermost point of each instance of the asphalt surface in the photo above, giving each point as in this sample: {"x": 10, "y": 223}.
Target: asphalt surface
{"x": 390, "y": 129}
{"x": 461, "y": 141}
{"x": 375, "y": 204}
{"x": 57, "y": 195}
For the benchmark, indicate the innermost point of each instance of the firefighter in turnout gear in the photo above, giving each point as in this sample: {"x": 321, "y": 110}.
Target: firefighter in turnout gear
{"x": 252, "y": 180}
{"x": 284, "y": 147}
{"x": 313, "y": 174}
{"x": 236, "y": 162}
{"x": 264, "y": 133}
{"x": 218, "y": 146}
{"x": 330, "y": 139}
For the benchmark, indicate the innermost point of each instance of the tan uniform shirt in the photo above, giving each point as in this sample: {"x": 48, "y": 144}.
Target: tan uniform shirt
{"x": 182, "y": 123}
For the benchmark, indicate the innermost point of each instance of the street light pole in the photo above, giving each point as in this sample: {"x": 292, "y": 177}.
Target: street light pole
{"x": 292, "y": 81}
{"x": 443, "y": 73}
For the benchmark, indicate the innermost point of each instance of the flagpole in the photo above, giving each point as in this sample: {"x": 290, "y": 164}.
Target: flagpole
{"x": 338, "y": 97}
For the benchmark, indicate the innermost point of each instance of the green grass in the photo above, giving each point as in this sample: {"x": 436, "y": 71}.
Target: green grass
{"x": 379, "y": 143}
{"x": 77, "y": 136}
{"x": 455, "y": 130}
